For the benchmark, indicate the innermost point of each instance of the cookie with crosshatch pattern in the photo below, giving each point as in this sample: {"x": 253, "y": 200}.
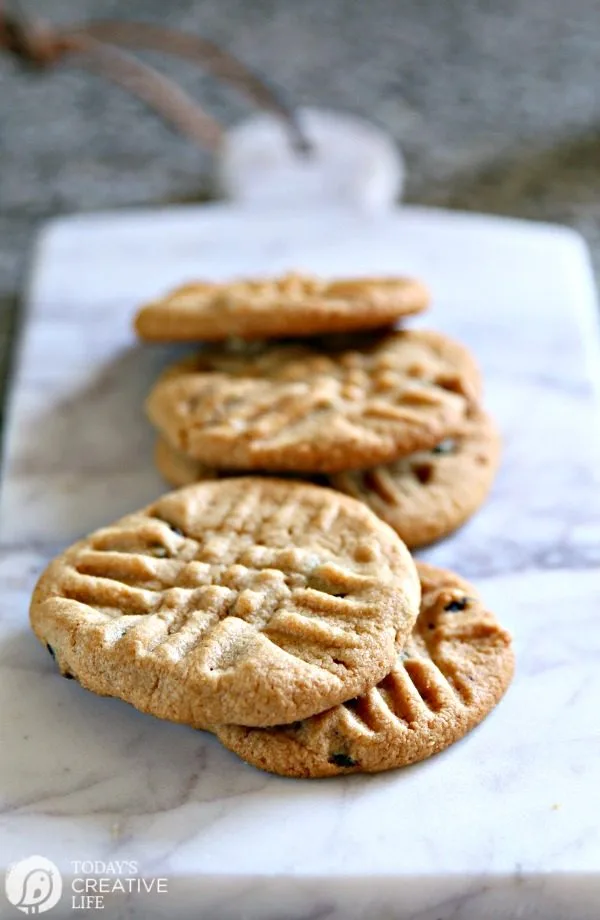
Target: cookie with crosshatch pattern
{"x": 249, "y": 600}
{"x": 329, "y": 406}
{"x": 451, "y": 673}
{"x": 424, "y": 496}
{"x": 291, "y": 305}
{"x": 430, "y": 493}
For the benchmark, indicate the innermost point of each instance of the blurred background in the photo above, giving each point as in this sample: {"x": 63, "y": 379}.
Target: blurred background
{"x": 495, "y": 105}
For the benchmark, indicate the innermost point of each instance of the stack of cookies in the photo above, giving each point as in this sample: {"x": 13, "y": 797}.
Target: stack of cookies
{"x": 275, "y": 611}
{"x": 390, "y": 417}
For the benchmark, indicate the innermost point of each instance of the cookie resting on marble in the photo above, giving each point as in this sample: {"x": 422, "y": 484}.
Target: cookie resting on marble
{"x": 451, "y": 673}
{"x": 250, "y": 600}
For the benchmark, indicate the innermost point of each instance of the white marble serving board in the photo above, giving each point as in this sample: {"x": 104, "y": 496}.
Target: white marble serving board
{"x": 505, "y": 823}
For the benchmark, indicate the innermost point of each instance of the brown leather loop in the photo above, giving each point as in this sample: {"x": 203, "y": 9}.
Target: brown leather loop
{"x": 162, "y": 95}
{"x": 205, "y": 53}
{"x": 39, "y": 44}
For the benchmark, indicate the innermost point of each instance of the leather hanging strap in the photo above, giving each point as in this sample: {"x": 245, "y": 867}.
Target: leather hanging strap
{"x": 38, "y": 44}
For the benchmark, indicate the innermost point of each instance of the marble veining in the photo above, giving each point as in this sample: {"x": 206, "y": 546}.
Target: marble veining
{"x": 504, "y": 823}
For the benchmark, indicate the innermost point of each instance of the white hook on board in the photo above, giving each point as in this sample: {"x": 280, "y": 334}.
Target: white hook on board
{"x": 352, "y": 162}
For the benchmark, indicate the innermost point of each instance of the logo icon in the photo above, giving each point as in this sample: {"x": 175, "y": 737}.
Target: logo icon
{"x": 34, "y": 885}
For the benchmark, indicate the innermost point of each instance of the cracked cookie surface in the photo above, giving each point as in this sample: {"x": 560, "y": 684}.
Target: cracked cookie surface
{"x": 319, "y": 408}
{"x": 290, "y": 305}
{"x": 249, "y": 600}
{"x": 424, "y": 496}
{"x": 454, "y": 669}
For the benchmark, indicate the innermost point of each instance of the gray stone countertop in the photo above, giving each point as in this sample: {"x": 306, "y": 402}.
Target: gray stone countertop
{"x": 495, "y": 105}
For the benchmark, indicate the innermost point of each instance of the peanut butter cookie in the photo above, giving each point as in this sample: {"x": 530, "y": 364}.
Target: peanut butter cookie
{"x": 427, "y": 495}
{"x": 292, "y": 305}
{"x": 249, "y": 600}
{"x": 452, "y": 672}
{"x": 321, "y": 408}
{"x": 424, "y": 496}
